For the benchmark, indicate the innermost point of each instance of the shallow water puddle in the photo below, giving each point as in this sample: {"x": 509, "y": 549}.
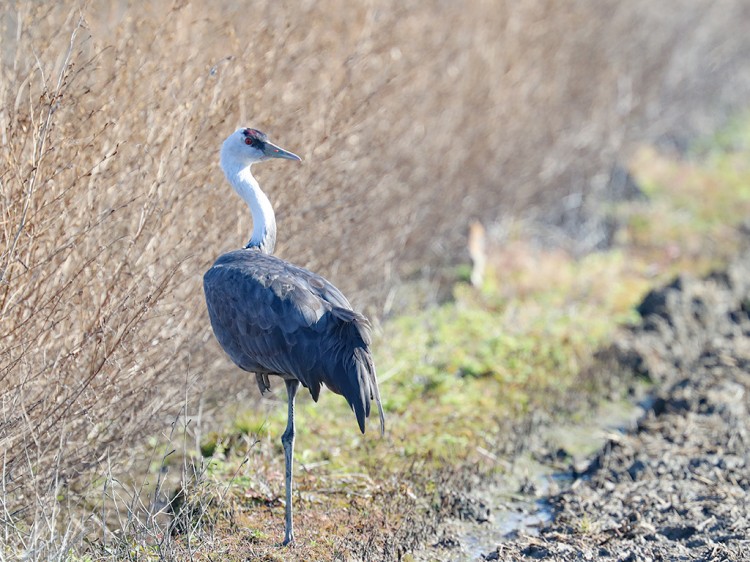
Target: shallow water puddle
{"x": 517, "y": 504}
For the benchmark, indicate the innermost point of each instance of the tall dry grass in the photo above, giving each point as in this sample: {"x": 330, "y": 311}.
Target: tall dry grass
{"x": 412, "y": 118}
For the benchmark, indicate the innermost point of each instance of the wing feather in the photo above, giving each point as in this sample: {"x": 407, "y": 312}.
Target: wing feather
{"x": 272, "y": 317}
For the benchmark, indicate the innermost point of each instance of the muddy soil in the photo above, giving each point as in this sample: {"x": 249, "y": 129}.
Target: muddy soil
{"x": 673, "y": 485}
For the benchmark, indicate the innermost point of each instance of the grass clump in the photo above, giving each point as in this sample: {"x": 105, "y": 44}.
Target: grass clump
{"x": 694, "y": 207}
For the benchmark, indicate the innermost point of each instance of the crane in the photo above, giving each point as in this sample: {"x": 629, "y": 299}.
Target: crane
{"x": 274, "y": 318}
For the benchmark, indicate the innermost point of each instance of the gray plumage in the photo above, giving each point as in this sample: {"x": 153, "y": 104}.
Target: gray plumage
{"x": 276, "y": 319}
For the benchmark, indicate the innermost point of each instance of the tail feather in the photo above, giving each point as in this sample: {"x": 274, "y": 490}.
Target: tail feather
{"x": 369, "y": 384}
{"x": 354, "y": 373}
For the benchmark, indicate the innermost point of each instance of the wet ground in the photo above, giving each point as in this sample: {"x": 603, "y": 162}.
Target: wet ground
{"x": 664, "y": 475}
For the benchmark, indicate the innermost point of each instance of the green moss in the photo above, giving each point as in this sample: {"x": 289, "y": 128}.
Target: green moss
{"x": 209, "y": 444}
{"x": 256, "y": 535}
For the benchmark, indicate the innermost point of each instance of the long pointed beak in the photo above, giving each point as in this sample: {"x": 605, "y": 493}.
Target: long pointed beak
{"x": 272, "y": 151}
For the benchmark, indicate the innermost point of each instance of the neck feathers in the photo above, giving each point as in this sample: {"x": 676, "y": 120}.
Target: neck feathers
{"x": 264, "y": 220}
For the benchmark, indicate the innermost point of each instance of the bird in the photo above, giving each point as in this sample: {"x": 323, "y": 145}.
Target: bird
{"x": 273, "y": 318}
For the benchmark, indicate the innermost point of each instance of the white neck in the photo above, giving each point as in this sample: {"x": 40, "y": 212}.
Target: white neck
{"x": 264, "y": 220}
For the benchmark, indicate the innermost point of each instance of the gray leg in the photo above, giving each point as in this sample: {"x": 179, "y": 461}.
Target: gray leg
{"x": 287, "y": 440}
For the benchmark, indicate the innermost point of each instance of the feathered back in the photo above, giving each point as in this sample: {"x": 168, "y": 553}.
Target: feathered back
{"x": 272, "y": 317}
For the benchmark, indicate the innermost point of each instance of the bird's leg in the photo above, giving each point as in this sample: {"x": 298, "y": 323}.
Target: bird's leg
{"x": 287, "y": 440}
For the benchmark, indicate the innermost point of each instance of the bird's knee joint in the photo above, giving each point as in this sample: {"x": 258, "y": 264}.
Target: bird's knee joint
{"x": 287, "y": 436}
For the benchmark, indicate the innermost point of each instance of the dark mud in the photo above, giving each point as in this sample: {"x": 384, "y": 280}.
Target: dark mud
{"x": 673, "y": 485}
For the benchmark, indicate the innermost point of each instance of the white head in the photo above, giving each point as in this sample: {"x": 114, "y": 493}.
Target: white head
{"x": 245, "y": 146}
{"x": 240, "y": 151}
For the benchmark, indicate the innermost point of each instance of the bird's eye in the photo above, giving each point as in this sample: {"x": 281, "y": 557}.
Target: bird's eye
{"x": 248, "y": 140}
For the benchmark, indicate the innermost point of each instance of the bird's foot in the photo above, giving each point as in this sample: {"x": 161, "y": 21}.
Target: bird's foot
{"x": 288, "y": 539}
{"x": 264, "y": 385}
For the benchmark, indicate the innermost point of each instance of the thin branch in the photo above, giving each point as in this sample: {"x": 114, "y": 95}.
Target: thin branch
{"x": 39, "y": 149}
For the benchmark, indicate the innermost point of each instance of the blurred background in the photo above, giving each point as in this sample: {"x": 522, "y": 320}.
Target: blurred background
{"x": 413, "y": 118}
